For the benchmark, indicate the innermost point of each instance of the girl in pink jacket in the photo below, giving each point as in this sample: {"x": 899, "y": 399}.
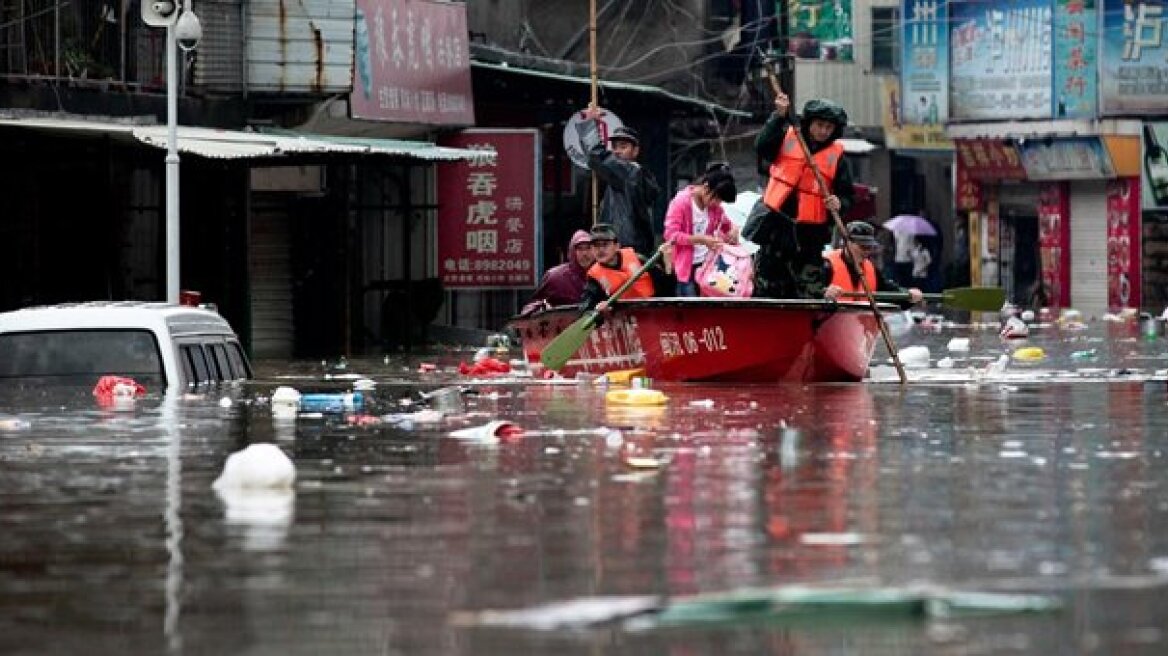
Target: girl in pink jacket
{"x": 695, "y": 223}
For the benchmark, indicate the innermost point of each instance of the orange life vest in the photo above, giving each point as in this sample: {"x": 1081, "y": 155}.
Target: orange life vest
{"x": 841, "y": 273}
{"x": 790, "y": 171}
{"x": 611, "y": 279}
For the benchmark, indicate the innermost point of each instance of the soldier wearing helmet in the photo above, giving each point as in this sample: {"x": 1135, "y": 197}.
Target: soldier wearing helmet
{"x": 792, "y": 222}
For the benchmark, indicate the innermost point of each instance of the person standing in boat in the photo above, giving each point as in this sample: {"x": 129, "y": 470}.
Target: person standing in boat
{"x": 630, "y": 189}
{"x": 614, "y": 265}
{"x": 695, "y": 224}
{"x": 564, "y": 283}
{"x": 792, "y": 222}
{"x": 839, "y": 275}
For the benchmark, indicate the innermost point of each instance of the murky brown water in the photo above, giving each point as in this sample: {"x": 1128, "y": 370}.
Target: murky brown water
{"x": 114, "y": 542}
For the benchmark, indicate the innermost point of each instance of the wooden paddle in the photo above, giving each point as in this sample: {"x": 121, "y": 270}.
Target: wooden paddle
{"x": 561, "y": 349}
{"x": 978, "y": 299}
{"x": 839, "y": 223}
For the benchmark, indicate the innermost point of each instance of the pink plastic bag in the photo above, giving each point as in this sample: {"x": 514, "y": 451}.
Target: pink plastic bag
{"x": 727, "y": 272}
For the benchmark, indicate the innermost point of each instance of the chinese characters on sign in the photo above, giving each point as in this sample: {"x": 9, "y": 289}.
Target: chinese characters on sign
{"x": 820, "y": 29}
{"x": 1123, "y": 243}
{"x": 1132, "y": 74}
{"x": 412, "y": 63}
{"x": 967, "y": 195}
{"x": 1067, "y": 158}
{"x": 990, "y": 159}
{"x": 1054, "y": 242}
{"x": 1074, "y": 62}
{"x": 924, "y": 97}
{"x": 1001, "y": 59}
{"x": 488, "y": 214}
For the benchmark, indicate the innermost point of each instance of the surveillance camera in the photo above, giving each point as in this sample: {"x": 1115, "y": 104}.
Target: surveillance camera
{"x": 162, "y": 7}
{"x": 188, "y": 31}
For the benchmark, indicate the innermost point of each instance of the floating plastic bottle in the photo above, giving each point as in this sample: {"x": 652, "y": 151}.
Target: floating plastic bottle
{"x": 332, "y": 402}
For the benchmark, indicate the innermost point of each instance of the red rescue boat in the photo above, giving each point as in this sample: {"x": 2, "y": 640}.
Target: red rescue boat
{"x": 718, "y": 340}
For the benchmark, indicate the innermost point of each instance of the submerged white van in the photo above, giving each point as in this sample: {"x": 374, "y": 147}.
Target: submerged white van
{"x": 156, "y": 344}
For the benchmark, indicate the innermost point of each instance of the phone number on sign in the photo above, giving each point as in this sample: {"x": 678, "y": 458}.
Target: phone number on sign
{"x": 674, "y": 344}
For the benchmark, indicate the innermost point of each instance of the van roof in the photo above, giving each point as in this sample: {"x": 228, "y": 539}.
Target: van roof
{"x": 176, "y": 319}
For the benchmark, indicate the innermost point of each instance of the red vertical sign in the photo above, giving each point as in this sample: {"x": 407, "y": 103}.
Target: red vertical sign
{"x": 1054, "y": 242}
{"x": 968, "y": 193}
{"x": 488, "y": 212}
{"x": 1123, "y": 243}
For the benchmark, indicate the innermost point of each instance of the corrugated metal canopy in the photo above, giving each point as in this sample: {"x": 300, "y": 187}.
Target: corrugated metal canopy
{"x": 237, "y": 144}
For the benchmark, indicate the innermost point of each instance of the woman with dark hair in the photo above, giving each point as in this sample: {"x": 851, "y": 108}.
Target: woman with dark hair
{"x": 695, "y": 224}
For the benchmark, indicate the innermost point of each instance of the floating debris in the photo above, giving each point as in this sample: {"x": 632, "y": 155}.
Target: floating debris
{"x": 788, "y": 605}
{"x": 1029, "y": 354}
{"x": 636, "y": 397}
{"x": 259, "y": 466}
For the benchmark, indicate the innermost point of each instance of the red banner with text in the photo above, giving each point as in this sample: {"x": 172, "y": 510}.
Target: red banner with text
{"x": 1054, "y": 243}
{"x": 1123, "y": 243}
{"x": 488, "y": 211}
{"x": 411, "y": 62}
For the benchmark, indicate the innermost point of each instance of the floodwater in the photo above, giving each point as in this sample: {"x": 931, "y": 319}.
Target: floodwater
{"x": 1047, "y": 478}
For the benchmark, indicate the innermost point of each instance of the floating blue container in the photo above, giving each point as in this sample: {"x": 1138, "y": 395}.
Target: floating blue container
{"x": 332, "y": 402}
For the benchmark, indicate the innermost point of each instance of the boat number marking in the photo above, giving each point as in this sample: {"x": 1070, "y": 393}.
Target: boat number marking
{"x": 674, "y": 344}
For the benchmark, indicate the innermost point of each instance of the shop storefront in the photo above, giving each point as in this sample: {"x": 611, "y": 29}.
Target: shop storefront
{"x": 1054, "y": 217}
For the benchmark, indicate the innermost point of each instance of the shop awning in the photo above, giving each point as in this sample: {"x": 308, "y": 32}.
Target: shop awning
{"x": 239, "y": 144}
{"x": 1041, "y": 128}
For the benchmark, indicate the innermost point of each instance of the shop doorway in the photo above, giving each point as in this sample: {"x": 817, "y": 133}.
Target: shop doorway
{"x": 1020, "y": 257}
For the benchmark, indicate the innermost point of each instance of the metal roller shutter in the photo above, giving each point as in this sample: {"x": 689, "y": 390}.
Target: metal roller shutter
{"x": 271, "y": 280}
{"x": 1089, "y": 247}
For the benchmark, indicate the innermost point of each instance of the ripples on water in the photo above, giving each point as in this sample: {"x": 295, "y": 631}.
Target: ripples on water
{"x": 113, "y": 540}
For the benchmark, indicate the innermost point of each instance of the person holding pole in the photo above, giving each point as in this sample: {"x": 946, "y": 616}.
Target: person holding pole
{"x": 630, "y": 189}
{"x": 839, "y": 270}
{"x": 792, "y": 223}
{"x": 613, "y": 267}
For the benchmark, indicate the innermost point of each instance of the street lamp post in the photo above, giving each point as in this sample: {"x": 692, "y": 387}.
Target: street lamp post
{"x": 172, "y": 222}
{"x": 182, "y": 31}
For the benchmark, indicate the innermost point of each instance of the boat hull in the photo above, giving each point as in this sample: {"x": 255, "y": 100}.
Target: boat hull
{"x": 717, "y": 340}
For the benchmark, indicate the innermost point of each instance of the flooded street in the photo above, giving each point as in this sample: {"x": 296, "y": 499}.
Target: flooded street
{"x": 1046, "y": 477}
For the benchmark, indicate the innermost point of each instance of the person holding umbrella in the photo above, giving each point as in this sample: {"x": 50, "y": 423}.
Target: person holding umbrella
{"x": 906, "y": 229}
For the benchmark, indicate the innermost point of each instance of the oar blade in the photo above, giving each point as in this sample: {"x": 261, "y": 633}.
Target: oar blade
{"x": 561, "y": 349}
{"x": 978, "y": 299}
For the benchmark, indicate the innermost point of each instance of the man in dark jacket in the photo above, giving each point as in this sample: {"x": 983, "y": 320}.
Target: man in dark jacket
{"x": 630, "y": 189}
{"x": 564, "y": 283}
{"x": 792, "y": 222}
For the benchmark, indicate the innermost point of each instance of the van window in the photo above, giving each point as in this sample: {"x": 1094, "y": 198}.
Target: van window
{"x": 82, "y": 354}
{"x": 238, "y": 360}
{"x": 222, "y": 365}
{"x": 193, "y": 354}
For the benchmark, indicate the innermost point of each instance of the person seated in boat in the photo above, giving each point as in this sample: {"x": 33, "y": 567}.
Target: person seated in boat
{"x": 695, "y": 224}
{"x": 839, "y": 274}
{"x": 614, "y": 265}
{"x": 564, "y": 283}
